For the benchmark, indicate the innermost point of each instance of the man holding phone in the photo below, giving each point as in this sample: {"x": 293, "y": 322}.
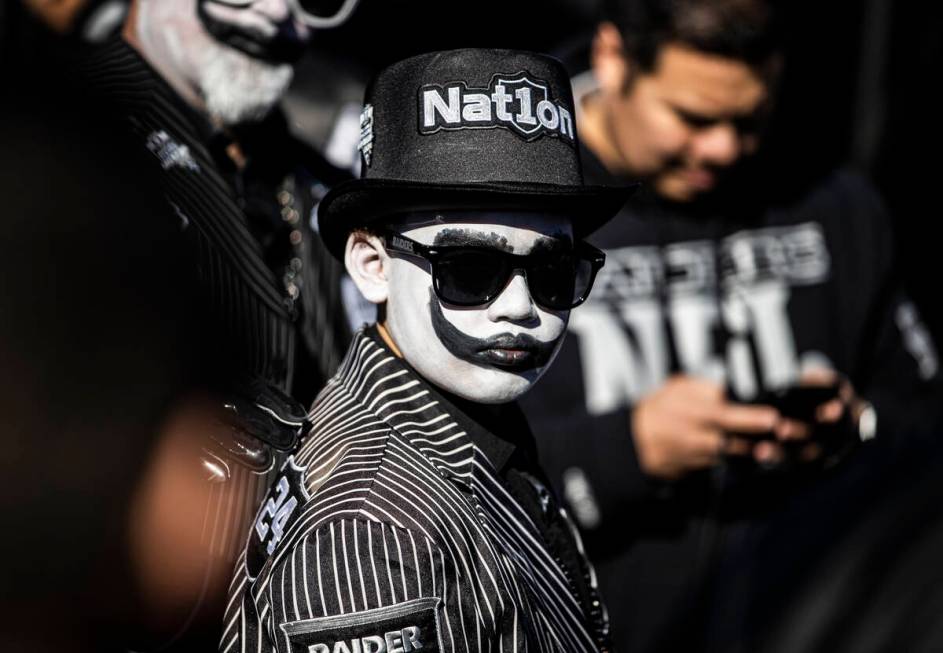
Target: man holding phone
{"x": 745, "y": 333}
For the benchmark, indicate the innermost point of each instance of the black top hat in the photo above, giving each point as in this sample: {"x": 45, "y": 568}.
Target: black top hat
{"x": 468, "y": 129}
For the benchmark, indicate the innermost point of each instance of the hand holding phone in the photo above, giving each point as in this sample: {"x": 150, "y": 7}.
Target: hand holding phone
{"x": 800, "y": 402}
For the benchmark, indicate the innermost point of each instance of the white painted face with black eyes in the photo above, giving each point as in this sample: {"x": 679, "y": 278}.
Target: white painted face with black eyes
{"x": 491, "y": 353}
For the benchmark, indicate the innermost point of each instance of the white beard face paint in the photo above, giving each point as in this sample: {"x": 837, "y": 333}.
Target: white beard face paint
{"x": 489, "y": 354}
{"x": 238, "y": 88}
{"x": 233, "y": 86}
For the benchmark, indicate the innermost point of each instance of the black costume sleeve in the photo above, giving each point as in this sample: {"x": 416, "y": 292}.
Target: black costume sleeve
{"x": 373, "y": 586}
{"x": 905, "y": 387}
{"x": 897, "y": 369}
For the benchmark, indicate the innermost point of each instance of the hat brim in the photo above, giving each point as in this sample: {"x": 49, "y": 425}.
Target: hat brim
{"x": 365, "y": 202}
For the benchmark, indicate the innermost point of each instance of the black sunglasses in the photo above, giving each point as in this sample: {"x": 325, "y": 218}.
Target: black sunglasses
{"x": 466, "y": 275}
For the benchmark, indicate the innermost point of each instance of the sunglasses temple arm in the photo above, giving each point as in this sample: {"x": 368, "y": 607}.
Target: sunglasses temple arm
{"x": 419, "y": 251}
{"x": 334, "y": 21}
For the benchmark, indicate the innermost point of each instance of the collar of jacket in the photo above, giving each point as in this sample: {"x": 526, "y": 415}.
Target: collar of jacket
{"x": 453, "y": 441}
{"x": 123, "y": 76}
{"x": 118, "y": 72}
{"x": 132, "y": 89}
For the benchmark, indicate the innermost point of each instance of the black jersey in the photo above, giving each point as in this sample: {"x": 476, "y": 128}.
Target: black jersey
{"x": 402, "y": 523}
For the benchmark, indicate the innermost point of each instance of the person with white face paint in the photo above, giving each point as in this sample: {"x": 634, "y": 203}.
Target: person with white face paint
{"x": 198, "y": 83}
{"x": 490, "y": 353}
{"x": 414, "y": 515}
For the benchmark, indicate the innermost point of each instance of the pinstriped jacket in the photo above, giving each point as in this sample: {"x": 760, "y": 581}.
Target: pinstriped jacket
{"x": 265, "y": 331}
{"x": 257, "y": 328}
{"x": 389, "y": 530}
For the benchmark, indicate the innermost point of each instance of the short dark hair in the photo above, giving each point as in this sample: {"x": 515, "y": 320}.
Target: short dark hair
{"x": 739, "y": 29}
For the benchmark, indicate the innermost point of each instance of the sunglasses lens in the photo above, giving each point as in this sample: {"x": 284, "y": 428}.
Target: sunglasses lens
{"x": 321, "y": 8}
{"x": 561, "y": 282}
{"x": 470, "y": 277}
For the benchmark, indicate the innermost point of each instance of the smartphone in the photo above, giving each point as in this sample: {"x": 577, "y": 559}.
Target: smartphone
{"x": 799, "y": 402}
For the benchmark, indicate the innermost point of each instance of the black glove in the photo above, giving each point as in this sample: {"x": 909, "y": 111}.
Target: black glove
{"x": 257, "y": 420}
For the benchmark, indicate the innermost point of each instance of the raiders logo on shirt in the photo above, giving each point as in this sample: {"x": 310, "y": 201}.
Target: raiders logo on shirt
{"x": 407, "y": 627}
{"x": 514, "y": 102}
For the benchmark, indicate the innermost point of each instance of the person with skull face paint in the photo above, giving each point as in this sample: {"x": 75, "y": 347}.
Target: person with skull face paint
{"x": 414, "y": 515}
{"x": 199, "y": 82}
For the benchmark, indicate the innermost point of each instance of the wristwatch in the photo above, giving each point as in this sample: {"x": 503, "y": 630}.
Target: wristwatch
{"x": 867, "y": 422}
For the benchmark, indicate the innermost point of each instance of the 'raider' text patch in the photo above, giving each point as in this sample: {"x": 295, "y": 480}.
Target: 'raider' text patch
{"x": 514, "y": 102}
{"x": 406, "y": 627}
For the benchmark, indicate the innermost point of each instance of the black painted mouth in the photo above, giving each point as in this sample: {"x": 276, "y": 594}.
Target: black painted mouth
{"x": 517, "y": 353}
{"x": 285, "y": 47}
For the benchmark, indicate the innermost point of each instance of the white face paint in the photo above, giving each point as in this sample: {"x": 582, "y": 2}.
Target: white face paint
{"x": 491, "y": 353}
{"x": 238, "y": 88}
{"x": 233, "y": 86}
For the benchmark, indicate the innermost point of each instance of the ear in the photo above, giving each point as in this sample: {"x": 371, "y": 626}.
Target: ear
{"x": 611, "y": 67}
{"x": 368, "y": 265}
{"x": 129, "y": 31}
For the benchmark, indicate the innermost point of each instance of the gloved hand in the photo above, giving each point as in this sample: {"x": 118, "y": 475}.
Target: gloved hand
{"x": 256, "y": 420}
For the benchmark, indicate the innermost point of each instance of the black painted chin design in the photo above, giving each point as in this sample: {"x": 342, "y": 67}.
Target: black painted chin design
{"x": 513, "y": 353}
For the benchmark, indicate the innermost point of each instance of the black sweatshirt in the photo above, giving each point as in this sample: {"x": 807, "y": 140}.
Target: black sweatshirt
{"x": 750, "y": 292}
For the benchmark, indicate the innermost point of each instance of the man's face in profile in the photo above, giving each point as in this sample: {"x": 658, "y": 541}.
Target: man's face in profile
{"x": 684, "y": 123}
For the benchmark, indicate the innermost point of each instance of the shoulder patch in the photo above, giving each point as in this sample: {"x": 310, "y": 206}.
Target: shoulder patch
{"x": 279, "y": 509}
{"x": 399, "y": 628}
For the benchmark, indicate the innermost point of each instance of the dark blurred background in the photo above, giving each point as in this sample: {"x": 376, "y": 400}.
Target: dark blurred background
{"x": 857, "y": 91}
{"x": 857, "y": 88}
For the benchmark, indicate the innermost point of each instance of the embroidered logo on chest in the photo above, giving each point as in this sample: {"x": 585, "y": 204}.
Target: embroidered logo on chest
{"x": 170, "y": 153}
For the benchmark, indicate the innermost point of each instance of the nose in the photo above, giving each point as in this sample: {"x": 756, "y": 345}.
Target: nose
{"x": 277, "y": 11}
{"x": 280, "y": 12}
{"x": 514, "y": 304}
{"x": 718, "y": 145}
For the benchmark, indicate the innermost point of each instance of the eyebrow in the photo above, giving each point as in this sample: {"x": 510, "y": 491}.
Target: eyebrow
{"x": 555, "y": 244}
{"x": 466, "y": 237}
{"x": 452, "y": 237}
{"x": 695, "y": 117}
{"x": 743, "y": 121}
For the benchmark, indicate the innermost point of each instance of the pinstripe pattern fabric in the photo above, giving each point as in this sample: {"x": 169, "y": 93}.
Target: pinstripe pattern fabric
{"x": 396, "y": 503}
{"x": 257, "y": 330}
{"x": 242, "y": 293}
